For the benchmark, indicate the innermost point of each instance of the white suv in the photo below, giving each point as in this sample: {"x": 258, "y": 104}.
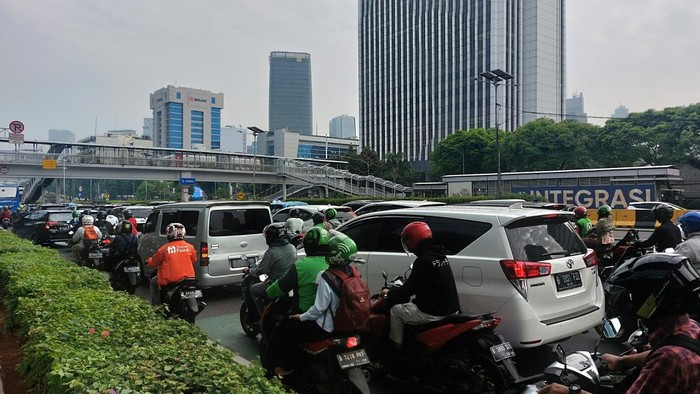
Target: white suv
{"x": 527, "y": 265}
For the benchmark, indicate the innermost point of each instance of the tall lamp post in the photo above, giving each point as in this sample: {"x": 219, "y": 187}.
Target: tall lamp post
{"x": 496, "y": 78}
{"x": 256, "y": 131}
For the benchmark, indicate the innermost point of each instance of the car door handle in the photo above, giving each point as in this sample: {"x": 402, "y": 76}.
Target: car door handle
{"x": 360, "y": 261}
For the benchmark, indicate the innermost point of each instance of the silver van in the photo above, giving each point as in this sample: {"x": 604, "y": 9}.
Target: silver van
{"x": 226, "y": 234}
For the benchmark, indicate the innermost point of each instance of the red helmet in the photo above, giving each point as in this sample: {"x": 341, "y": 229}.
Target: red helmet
{"x": 580, "y": 212}
{"x": 413, "y": 234}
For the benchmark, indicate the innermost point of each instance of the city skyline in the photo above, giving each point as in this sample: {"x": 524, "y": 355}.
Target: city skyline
{"x": 88, "y": 66}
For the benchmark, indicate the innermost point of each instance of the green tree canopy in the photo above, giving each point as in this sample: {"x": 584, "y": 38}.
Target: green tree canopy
{"x": 470, "y": 152}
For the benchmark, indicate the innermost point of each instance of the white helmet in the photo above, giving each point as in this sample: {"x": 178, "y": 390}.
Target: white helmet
{"x": 88, "y": 220}
{"x": 175, "y": 231}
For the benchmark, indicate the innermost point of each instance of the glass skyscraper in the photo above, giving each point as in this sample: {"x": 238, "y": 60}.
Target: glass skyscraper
{"x": 421, "y": 62}
{"x": 342, "y": 126}
{"x": 290, "y": 105}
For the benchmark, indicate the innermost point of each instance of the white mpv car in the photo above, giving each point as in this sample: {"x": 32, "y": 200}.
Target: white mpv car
{"x": 526, "y": 265}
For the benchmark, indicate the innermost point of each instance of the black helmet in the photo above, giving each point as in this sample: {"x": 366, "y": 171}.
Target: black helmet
{"x": 658, "y": 284}
{"x": 662, "y": 213}
{"x": 101, "y": 215}
{"x": 318, "y": 217}
{"x": 316, "y": 242}
{"x": 274, "y": 232}
{"x": 294, "y": 213}
{"x": 127, "y": 214}
{"x": 125, "y": 227}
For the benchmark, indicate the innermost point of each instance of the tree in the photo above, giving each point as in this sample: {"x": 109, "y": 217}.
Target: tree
{"x": 396, "y": 169}
{"x": 470, "y": 152}
{"x": 365, "y": 163}
{"x": 157, "y": 190}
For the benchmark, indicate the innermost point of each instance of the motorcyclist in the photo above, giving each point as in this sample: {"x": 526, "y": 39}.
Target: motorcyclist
{"x": 129, "y": 216}
{"x": 690, "y": 248}
{"x": 662, "y": 288}
{"x": 668, "y": 235}
{"x": 602, "y": 236}
{"x": 79, "y": 222}
{"x": 279, "y": 256}
{"x": 583, "y": 223}
{"x": 330, "y": 217}
{"x": 111, "y": 222}
{"x": 87, "y": 233}
{"x": 6, "y": 214}
{"x": 319, "y": 219}
{"x": 75, "y": 215}
{"x": 431, "y": 281}
{"x": 294, "y": 224}
{"x": 123, "y": 245}
{"x": 174, "y": 260}
{"x": 317, "y": 322}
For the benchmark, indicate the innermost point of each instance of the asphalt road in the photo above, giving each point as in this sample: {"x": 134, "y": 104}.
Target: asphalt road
{"x": 221, "y": 322}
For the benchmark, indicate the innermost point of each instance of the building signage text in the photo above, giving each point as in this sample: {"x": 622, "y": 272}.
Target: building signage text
{"x": 617, "y": 196}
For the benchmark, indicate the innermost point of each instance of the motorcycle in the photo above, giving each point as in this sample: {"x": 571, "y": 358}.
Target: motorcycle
{"x": 183, "y": 299}
{"x": 92, "y": 255}
{"x": 126, "y": 275}
{"x": 6, "y": 223}
{"x": 610, "y": 257}
{"x": 248, "y": 314}
{"x": 459, "y": 353}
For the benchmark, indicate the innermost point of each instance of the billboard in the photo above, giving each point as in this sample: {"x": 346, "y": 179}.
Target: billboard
{"x": 617, "y": 196}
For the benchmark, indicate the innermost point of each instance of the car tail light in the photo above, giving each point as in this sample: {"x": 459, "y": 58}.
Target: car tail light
{"x": 204, "y": 254}
{"x": 48, "y": 225}
{"x": 519, "y": 271}
{"x": 590, "y": 259}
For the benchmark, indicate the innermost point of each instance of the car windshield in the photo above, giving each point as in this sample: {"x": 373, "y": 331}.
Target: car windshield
{"x": 60, "y": 217}
{"x": 543, "y": 238}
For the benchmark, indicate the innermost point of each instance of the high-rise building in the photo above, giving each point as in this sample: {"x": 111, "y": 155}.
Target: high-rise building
{"x": 148, "y": 128}
{"x": 186, "y": 118}
{"x": 290, "y": 105}
{"x": 56, "y": 135}
{"x": 343, "y": 126}
{"x": 420, "y": 66}
{"x": 621, "y": 112}
{"x": 574, "y": 108}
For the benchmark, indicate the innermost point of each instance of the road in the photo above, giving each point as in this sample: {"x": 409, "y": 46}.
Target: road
{"x": 220, "y": 321}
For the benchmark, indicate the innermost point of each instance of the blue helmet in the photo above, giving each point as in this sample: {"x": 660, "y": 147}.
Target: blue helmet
{"x": 690, "y": 222}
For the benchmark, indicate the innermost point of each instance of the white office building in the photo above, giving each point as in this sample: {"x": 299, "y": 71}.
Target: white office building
{"x": 343, "y": 126}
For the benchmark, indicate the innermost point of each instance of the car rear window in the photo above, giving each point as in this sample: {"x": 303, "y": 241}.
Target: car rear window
{"x": 60, "y": 217}
{"x": 456, "y": 234}
{"x": 141, "y": 212}
{"x": 189, "y": 219}
{"x": 227, "y": 222}
{"x": 543, "y": 238}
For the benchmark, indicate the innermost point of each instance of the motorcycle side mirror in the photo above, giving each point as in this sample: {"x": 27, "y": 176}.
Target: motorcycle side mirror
{"x": 611, "y": 328}
{"x": 385, "y": 275}
{"x": 560, "y": 355}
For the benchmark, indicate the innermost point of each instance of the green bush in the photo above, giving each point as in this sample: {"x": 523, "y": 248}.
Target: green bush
{"x": 82, "y": 337}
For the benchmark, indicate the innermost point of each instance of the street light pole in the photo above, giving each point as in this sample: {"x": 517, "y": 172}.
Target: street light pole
{"x": 495, "y": 77}
{"x": 255, "y": 131}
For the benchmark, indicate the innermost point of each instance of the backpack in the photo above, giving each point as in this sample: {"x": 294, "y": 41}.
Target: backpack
{"x": 90, "y": 233}
{"x": 353, "y": 309}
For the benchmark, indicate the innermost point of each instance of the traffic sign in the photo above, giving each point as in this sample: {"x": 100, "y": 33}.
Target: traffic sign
{"x": 240, "y": 196}
{"x": 48, "y": 164}
{"x": 80, "y": 188}
{"x": 16, "y": 127}
{"x": 4, "y": 170}
{"x": 16, "y": 138}
{"x": 187, "y": 181}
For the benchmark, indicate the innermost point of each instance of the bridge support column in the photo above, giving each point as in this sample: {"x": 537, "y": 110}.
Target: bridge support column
{"x": 284, "y": 188}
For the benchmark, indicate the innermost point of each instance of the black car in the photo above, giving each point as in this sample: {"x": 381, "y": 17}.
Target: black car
{"x": 44, "y": 226}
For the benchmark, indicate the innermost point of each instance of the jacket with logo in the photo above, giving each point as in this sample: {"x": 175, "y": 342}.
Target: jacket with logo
{"x": 174, "y": 261}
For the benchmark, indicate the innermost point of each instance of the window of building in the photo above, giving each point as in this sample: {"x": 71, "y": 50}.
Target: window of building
{"x": 178, "y": 95}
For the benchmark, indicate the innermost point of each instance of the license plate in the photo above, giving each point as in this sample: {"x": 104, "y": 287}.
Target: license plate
{"x": 95, "y": 255}
{"x": 191, "y": 294}
{"x": 568, "y": 280}
{"x": 352, "y": 359}
{"x": 238, "y": 263}
{"x": 502, "y": 351}
{"x": 132, "y": 269}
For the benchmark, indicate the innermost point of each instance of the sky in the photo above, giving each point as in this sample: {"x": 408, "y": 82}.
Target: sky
{"x": 89, "y": 65}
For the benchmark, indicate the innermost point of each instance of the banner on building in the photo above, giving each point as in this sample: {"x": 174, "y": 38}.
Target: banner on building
{"x": 617, "y": 196}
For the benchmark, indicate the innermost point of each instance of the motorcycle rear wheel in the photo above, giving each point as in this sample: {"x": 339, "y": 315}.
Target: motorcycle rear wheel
{"x": 483, "y": 376}
{"x": 251, "y": 330}
{"x": 121, "y": 282}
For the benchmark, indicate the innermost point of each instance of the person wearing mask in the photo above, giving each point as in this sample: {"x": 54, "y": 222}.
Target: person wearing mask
{"x": 431, "y": 281}
{"x": 331, "y": 221}
{"x": 294, "y": 224}
{"x": 123, "y": 245}
{"x": 662, "y": 288}
{"x": 85, "y": 234}
{"x": 690, "y": 248}
{"x": 174, "y": 261}
{"x": 583, "y": 223}
{"x": 128, "y": 216}
{"x": 668, "y": 235}
{"x": 279, "y": 256}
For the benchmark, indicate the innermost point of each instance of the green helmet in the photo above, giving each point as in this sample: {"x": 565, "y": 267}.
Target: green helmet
{"x": 316, "y": 242}
{"x": 604, "y": 211}
{"x": 331, "y": 213}
{"x": 341, "y": 249}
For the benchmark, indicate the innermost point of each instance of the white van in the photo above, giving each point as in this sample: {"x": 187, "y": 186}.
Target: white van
{"x": 227, "y": 236}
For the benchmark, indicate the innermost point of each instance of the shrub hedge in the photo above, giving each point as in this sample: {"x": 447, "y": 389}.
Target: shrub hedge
{"x": 82, "y": 337}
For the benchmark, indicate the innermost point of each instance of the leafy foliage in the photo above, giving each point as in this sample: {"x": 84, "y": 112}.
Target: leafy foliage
{"x": 465, "y": 152}
{"x": 85, "y": 338}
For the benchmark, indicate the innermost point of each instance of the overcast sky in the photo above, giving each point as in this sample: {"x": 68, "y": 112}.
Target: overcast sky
{"x": 65, "y": 63}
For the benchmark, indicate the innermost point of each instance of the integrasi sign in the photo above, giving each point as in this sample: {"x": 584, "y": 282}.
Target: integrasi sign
{"x": 617, "y": 196}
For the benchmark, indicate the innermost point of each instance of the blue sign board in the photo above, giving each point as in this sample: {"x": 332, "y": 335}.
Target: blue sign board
{"x": 187, "y": 181}
{"x": 617, "y": 196}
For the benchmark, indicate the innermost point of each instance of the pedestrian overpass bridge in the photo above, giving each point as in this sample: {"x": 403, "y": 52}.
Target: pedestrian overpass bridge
{"x": 46, "y": 161}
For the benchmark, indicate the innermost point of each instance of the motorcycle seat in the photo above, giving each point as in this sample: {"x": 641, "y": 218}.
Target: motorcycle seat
{"x": 457, "y": 318}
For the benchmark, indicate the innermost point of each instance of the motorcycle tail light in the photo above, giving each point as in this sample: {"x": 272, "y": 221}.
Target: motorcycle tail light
{"x": 352, "y": 342}
{"x": 590, "y": 259}
{"x": 204, "y": 254}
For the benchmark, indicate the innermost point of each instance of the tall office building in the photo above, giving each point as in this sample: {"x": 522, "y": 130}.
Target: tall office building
{"x": 290, "y": 105}
{"x": 418, "y": 61}
{"x": 185, "y": 118}
{"x": 148, "y": 128}
{"x": 56, "y": 135}
{"x": 574, "y": 108}
{"x": 621, "y": 112}
{"x": 343, "y": 126}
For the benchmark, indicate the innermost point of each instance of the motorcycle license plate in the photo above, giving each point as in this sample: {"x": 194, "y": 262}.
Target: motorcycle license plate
{"x": 191, "y": 294}
{"x": 132, "y": 269}
{"x": 568, "y": 280}
{"x": 95, "y": 255}
{"x": 352, "y": 359}
{"x": 502, "y": 351}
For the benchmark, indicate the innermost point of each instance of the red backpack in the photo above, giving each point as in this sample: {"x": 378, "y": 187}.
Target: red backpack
{"x": 353, "y": 309}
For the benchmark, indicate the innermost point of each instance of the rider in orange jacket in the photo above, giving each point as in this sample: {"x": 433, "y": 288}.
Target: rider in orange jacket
{"x": 174, "y": 260}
